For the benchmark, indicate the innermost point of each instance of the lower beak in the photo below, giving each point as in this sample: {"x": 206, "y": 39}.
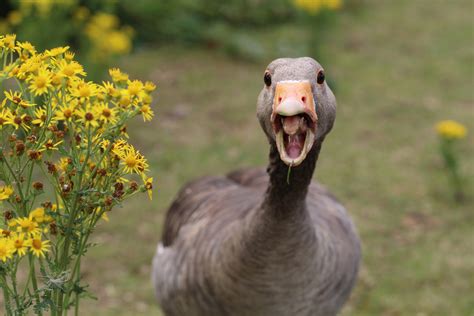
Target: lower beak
{"x": 294, "y": 120}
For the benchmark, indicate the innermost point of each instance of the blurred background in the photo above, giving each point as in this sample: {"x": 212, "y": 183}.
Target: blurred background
{"x": 398, "y": 69}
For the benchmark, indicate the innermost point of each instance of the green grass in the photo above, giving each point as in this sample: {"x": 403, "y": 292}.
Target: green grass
{"x": 400, "y": 66}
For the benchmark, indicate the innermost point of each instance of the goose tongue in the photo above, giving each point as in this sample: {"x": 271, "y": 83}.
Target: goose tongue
{"x": 294, "y": 146}
{"x": 295, "y": 128}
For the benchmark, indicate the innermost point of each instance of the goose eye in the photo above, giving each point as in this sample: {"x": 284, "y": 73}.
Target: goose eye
{"x": 267, "y": 78}
{"x": 321, "y": 77}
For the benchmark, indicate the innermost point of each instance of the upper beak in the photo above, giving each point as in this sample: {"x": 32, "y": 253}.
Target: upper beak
{"x": 293, "y": 98}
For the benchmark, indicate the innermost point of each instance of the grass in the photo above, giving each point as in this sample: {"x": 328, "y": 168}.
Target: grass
{"x": 400, "y": 67}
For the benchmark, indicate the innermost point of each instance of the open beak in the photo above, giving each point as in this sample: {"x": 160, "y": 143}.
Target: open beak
{"x": 294, "y": 120}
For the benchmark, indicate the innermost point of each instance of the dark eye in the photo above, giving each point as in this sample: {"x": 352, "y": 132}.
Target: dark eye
{"x": 321, "y": 77}
{"x": 267, "y": 78}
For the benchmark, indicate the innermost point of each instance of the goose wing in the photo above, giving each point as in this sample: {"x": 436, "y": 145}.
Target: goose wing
{"x": 188, "y": 205}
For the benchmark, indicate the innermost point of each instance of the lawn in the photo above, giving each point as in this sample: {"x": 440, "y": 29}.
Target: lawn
{"x": 400, "y": 67}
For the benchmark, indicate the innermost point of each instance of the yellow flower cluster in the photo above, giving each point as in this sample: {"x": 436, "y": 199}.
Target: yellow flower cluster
{"x": 75, "y": 131}
{"x": 65, "y": 163}
{"x": 450, "y": 129}
{"x": 26, "y": 234}
{"x": 106, "y": 37}
{"x": 315, "y": 6}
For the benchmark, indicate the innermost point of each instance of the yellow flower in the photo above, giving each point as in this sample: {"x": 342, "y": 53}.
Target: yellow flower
{"x": 15, "y": 97}
{"x": 41, "y": 117}
{"x": 8, "y": 41}
{"x": 56, "y": 51}
{"x": 149, "y": 187}
{"x": 81, "y": 13}
{"x": 105, "y": 20}
{"x": 27, "y": 224}
{"x": 450, "y": 129}
{"x": 118, "y": 42}
{"x": 27, "y": 48}
{"x": 6, "y": 249}
{"x": 149, "y": 86}
{"x": 117, "y": 75}
{"x": 19, "y": 121}
{"x": 5, "y": 117}
{"x": 70, "y": 69}
{"x": 333, "y": 4}
{"x": 107, "y": 115}
{"x": 125, "y": 99}
{"x": 5, "y": 192}
{"x": 315, "y": 6}
{"x": 135, "y": 87}
{"x": 30, "y": 66}
{"x": 83, "y": 90}
{"x": 63, "y": 164}
{"x": 39, "y": 216}
{"x": 51, "y": 145}
{"x": 65, "y": 112}
{"x": 147, "y": 112}
{"x": 14, "y": 17}
{"x": 110, "y": 89}
{"x": 37, "y": 246}
{"x": 69, "y": 55}
{"x": 19, "y": 244}
{"x": 88, "y": 117}
{"x": 131, "y": 159}
{"x": 40, "y": 83}
{"x": 310, "y": 6}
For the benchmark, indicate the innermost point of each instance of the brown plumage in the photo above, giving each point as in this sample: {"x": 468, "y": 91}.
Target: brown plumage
{"x": 262, "y": 242}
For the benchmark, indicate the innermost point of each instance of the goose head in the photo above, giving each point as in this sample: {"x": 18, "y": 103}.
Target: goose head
{"x": 296, "y": 108}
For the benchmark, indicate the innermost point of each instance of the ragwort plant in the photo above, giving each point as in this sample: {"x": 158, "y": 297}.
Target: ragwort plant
{"x": 65, "y": 163}
{"x": 450, "y": 132}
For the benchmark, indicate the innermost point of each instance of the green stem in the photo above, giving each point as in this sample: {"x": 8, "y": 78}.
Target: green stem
{"x": 76, "y": 307}
{"x": 33, "y": 278}
{"x": 74, "y": 210}
{"x": 15, "y": 291}
{"x": 6, "y": 295}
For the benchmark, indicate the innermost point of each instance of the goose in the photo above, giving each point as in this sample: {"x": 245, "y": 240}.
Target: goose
{"x": 264, "y": 242}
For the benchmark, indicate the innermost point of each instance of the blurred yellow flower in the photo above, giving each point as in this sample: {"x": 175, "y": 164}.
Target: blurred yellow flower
{"x": 333, "y": 4}
{"x": 117, "y": 75}
{"x": 5, "y": 192}
{"x": 5, "y": 118}
{"x": 81, "y": 13}
{"x": 8, "y": 41}
{"x": 310, "y": 6}
{"x": 118, "y": 42}
{"x": 6, "y": 249}
{"x": 14, "y": 17}
{"x": 315, "y": 6}
{"x": 106, "y": 37}
{"x": 450, "y": 129}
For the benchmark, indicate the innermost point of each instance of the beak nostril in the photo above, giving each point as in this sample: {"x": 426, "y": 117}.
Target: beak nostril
{"x": 303, "y": 99}
{"x": 279, "y": 100}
